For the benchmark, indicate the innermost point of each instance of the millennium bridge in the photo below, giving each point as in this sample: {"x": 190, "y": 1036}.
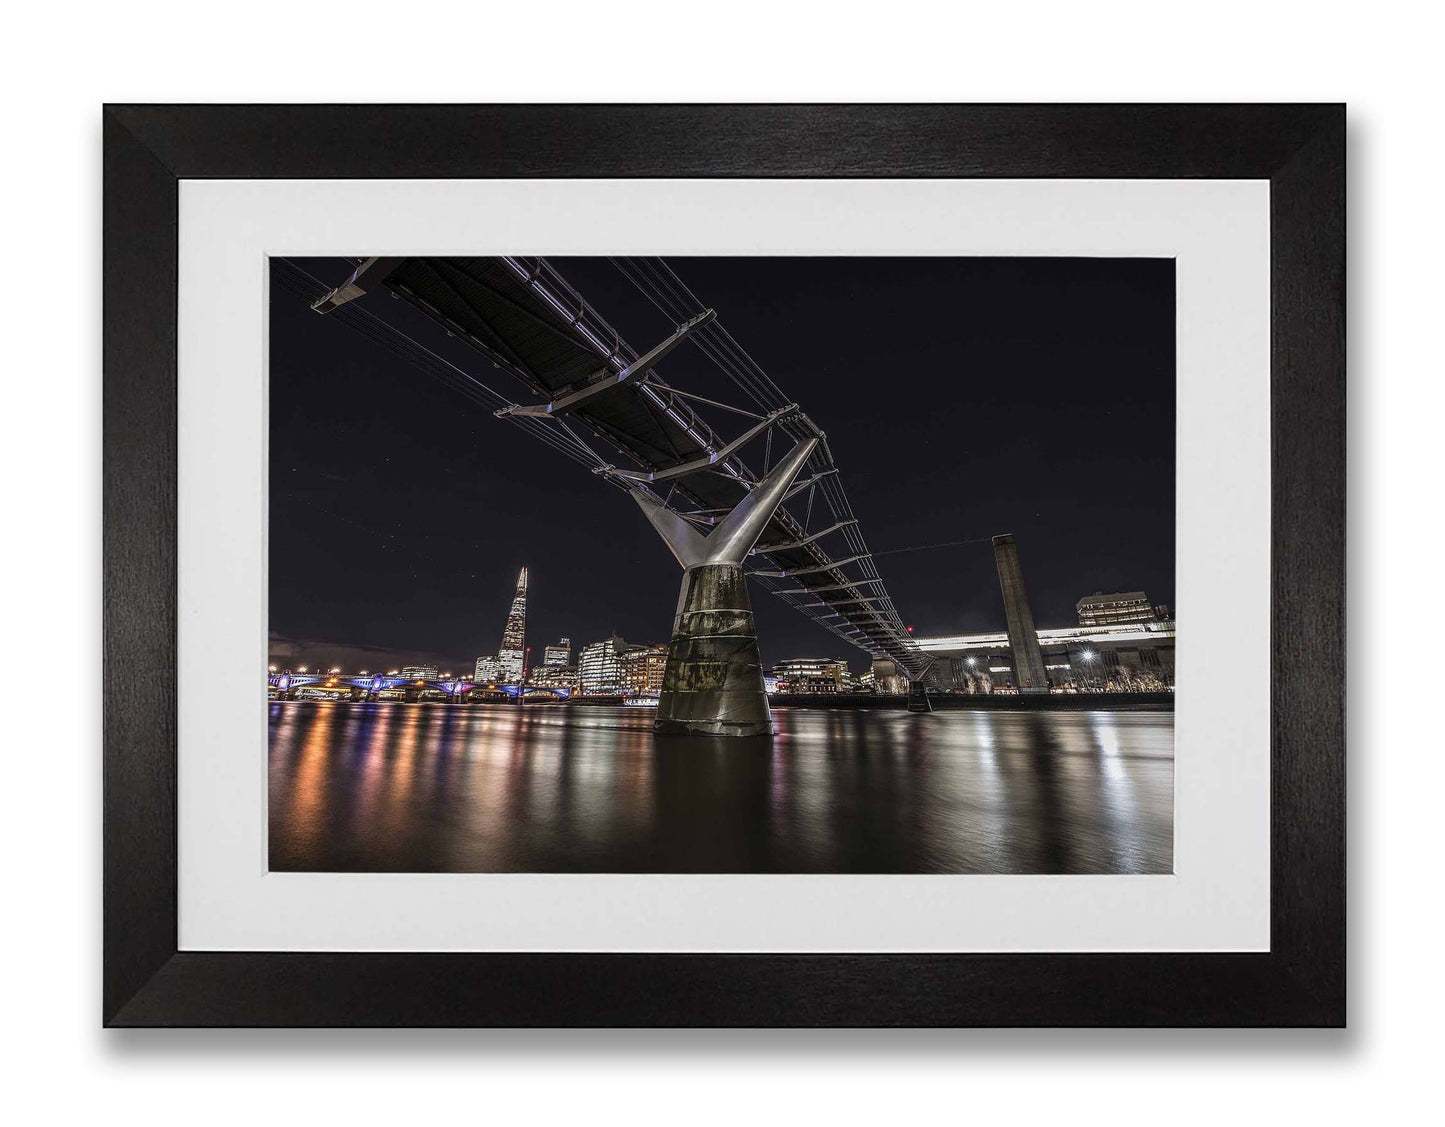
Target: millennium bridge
{"x": 742, "y": 487}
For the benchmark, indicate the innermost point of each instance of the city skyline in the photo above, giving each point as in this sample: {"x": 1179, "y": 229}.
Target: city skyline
{"x": 399, "y": 489}
{"x": 1098, "y": 611}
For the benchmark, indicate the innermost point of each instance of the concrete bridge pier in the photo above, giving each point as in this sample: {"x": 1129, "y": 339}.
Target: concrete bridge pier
{"x": 918, "y": 697}
{"x": 713, "y": 681}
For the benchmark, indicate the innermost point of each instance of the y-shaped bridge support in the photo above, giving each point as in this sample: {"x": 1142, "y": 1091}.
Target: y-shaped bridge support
{"x": 713, "y": 682}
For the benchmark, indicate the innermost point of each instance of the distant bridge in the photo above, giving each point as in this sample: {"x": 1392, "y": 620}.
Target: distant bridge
{"x": 373, "y": 684}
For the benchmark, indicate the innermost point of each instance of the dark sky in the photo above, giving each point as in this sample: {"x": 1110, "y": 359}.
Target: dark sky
{"x": 962, "y": 397}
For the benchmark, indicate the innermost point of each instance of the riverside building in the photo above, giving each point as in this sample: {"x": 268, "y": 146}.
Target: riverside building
{"x": 599, "y": 666}
{"x": 1129, "y": 656}
{"x": 1100, "y": 609}
{"x": 810, "y": 675}
{"x": 642, "y": 667}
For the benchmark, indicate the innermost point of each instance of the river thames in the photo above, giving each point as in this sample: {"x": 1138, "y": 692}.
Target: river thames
{"x": 556, "y": 788}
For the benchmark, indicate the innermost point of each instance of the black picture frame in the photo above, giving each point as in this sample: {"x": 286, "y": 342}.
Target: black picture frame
{"x": 149, "y": 149}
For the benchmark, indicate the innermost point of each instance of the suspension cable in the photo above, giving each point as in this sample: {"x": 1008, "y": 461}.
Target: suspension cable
{"x": 661, "y": 285}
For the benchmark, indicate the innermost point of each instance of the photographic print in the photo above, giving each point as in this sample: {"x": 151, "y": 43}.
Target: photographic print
{"x": 721, "y": 565}
{"x": 652, "y": 607}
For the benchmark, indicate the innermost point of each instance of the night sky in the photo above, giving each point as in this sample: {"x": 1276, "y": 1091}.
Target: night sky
{"x": 962, "y": 397}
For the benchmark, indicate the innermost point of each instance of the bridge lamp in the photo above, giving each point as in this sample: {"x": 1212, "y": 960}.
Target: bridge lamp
{"x": 270, "y": 669}
{"x": 336, "y": 669}
{"x": 301, "y": 669}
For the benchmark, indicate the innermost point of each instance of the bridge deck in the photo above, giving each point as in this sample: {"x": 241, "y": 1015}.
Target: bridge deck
{"x": 524, "y": 317}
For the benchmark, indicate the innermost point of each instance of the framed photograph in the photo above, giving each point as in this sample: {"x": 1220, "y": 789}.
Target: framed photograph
{"x": 724, "y": 565}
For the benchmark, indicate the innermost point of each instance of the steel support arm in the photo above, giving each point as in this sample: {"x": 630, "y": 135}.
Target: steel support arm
{"x": 573, "y": 400}
{"x": 839, "y": 603}
{"x": 812, "y": 570}
{"x": 365, "y": 277}
{"x": 709, "y": 460}
{"x": 849, "y": 586}
{"x": 798, "y": 487}
{"x": 730, "y": 540}
{"x": 768, "y": 549}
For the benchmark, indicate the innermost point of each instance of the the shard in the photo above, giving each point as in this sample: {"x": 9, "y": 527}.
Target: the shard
{"x": 512, "y": 655}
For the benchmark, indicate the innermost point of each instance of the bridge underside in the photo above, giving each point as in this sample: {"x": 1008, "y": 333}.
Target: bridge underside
{"x": 523, "y": 317}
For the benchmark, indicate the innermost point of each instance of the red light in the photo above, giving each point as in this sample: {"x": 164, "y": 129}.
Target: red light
{"x": 910, "y": 630}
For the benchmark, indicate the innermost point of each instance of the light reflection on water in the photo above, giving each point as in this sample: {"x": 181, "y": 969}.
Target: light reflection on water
{"x": 502, "y": 788}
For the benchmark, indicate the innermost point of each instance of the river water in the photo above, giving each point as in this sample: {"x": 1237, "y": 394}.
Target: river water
{"x": 557, "y": 788}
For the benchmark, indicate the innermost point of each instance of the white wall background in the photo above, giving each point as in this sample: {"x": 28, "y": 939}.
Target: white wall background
{"x": 62, "y": 62}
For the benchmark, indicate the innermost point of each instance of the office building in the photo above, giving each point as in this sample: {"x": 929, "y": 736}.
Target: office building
{"x": 599, "y": 666}
{"x": 810, "y": 675}
{"x": 553, "y": 677}
{"x": 1100, "y": 609}
{"x": 641, "y": 669}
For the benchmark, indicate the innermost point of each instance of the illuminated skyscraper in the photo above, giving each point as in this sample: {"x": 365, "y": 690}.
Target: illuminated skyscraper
{"x": 513, "y": 654}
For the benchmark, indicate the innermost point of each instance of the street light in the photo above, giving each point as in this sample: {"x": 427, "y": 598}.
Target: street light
{"x": 1088, "y": 657}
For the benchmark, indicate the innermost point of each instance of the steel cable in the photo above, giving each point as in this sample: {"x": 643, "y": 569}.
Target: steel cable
{"x": 306, "y": 286}
{"x": 660, "y": 284}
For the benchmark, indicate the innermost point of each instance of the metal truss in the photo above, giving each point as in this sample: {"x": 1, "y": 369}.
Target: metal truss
{"x": 870, "y": 619}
